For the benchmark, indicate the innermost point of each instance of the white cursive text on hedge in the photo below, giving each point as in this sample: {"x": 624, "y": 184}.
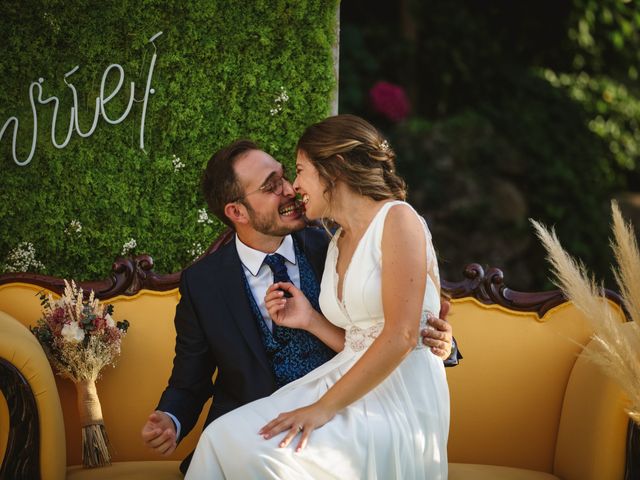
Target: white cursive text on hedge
{"x": 101, "y": 101}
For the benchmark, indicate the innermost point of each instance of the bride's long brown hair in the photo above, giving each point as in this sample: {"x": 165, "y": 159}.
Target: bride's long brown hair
{"x": 350, "y": 149}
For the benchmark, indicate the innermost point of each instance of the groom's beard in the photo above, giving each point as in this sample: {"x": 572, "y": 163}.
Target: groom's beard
{"x": 270, "y": 224}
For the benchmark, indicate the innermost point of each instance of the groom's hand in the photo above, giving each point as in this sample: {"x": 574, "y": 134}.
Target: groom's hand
{"x": 159, "y": 433}
{"x": 439, "y": 336}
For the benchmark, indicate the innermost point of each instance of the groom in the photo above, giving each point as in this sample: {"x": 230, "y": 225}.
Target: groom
{"x": 221, "y": 320}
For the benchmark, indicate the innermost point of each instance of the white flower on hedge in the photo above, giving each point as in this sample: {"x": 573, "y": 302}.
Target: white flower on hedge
{"x": 74, "y": 227}
{"x": 177, "y": 163}
{"x": 196, "y": 250}
{"x": 203, "y": 216}
{"x": 283, "y": 97}
{"x": 130, "y": 245}
{"x": 72, "y": 332}
{"x": 22, "y": 259}
{"x": 52, "y": 21}
{"x": 280, "y": 100}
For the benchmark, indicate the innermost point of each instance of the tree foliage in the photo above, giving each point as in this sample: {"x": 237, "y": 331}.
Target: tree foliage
{"x": 550, "y": 86}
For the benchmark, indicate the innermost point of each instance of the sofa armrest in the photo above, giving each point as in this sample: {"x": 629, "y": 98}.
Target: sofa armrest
{"x": 36, "y": 439}
{"x": 593, "y": 426}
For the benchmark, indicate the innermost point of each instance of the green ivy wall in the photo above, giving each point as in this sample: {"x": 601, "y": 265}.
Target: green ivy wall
{"x": 224, "y": 70}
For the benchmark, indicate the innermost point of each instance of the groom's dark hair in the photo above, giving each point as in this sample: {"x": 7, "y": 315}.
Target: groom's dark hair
{"x": 219, "y": 181}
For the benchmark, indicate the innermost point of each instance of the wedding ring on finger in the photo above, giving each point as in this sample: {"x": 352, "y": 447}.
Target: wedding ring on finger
{"x": 300, "y": 428}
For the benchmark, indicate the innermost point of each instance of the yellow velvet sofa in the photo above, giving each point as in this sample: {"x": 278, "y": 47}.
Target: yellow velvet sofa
{"x": 525, "y": 405}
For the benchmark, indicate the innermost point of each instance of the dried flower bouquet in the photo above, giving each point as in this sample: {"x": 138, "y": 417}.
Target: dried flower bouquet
{"x": 80, "y": 337}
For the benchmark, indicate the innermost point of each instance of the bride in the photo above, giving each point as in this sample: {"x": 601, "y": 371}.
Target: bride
{"x": 380, "y": 408}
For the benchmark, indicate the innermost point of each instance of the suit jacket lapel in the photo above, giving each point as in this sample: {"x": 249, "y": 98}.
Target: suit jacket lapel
{"x": 234, "y": 294}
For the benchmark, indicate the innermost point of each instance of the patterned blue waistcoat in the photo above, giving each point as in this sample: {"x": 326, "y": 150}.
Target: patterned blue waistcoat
{"x": 292, "y": 352}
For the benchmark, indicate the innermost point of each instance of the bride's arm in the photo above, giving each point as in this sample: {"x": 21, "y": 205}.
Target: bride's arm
{"x": 404, "y": 276}
{"x": 327, "y": 332}
{"x": 297, "y": 312}
{"x": 317, "y": 325}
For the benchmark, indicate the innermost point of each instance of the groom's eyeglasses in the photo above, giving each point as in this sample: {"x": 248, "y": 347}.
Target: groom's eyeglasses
{"x": 273, "y": 185}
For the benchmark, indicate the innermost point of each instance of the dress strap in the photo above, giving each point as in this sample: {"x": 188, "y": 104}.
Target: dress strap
{"x": 432, "y": 264}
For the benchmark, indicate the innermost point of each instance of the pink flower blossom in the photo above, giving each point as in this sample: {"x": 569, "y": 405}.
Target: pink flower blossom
{"x": 99, "y": 324}
{"x": 57, "y": 320}
{"x": 389, "y": 100}
{"x": 113, "y": 335}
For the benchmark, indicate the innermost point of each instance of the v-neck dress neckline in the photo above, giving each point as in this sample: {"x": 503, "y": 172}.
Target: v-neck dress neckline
{"x": 340, "y": 287}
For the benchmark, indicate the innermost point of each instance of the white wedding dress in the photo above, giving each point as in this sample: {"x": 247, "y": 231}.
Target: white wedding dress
{"x": 398, "y": 430}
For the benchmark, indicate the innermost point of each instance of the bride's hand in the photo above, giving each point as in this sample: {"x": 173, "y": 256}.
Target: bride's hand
{"x": 301, "y": 421}
{"x": 292, "y": 312}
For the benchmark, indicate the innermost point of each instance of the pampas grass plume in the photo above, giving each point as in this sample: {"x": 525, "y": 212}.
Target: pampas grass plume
{"x": 619, "y": 352}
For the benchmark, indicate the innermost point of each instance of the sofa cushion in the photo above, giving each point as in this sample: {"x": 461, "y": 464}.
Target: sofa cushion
{"x": 144, "y": 470}
{"x": 471, "y": 471}
{"x": 593, "y": 426}
{"x": 168, "y": 470}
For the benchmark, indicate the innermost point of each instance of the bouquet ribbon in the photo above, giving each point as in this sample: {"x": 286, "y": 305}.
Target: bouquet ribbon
{"x": 95, "y": 443}
{"x": 88, "y": 404}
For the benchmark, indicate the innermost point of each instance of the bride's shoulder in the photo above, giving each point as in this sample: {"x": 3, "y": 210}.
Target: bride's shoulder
{"x": 402, "y": 219}
{"x": 403, "y": 238}
{"x": 401, "y": 211}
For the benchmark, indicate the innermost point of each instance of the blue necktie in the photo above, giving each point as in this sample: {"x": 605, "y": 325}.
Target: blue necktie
{"x": 275, "y": 262}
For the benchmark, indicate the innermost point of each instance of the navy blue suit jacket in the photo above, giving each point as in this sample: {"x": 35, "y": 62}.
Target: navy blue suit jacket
{"x": 215, "y": 328}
